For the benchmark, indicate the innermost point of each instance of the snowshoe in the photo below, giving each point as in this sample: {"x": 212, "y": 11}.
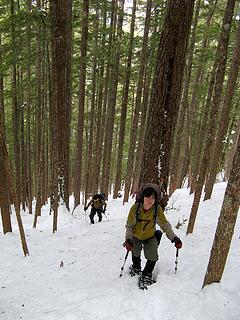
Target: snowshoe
{"x": 134, "y": 271}
{"x": 145, "y": 280}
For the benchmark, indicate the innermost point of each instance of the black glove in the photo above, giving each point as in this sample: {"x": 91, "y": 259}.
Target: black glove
{"x": 104, "y": 210}
{"x": 128, "y": 244}
{"x": 178, "y": 243}
{"x": 85, "y": 209}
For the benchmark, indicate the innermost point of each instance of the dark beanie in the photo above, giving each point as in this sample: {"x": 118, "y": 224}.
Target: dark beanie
{"x": 148, "y": 192}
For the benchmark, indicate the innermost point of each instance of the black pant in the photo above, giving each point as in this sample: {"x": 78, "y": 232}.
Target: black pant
{"x": 93, "y": 212}
{"x": 148, "y": 269}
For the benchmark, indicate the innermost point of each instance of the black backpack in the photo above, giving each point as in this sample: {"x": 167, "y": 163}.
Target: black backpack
{"x": 102, "y": 195}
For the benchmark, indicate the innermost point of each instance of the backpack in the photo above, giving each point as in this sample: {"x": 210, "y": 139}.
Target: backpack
{"x": 102, "y": 195}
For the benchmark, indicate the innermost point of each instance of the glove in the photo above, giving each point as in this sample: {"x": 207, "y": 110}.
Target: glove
{"x": 178, "y": 242}
{"x": 85, "y": 209}
{"x": 104, "y": 210}
{"x": 128, "y": 244}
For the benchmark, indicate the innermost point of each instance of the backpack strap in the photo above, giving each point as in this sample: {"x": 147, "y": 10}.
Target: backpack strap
{"x": 138, "y": 211}
{"x": 156, "y": 207}
{"x": 101, "y": 202}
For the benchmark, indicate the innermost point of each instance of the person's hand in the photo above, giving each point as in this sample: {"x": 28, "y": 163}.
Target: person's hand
{"x": 85, "y": 209}
{"x": 178, "y": 243}
{"x": 104, "y": 210}
{"x": 128, "y": 244}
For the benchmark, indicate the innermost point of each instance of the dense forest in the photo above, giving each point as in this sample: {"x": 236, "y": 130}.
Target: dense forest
{"x": 105, "y": 95}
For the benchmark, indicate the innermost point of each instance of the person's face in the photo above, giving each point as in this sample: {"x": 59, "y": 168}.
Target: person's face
{"x": 148, "y": 202}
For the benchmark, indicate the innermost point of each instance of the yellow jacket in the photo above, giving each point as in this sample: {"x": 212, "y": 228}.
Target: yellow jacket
{"x": 144, "y": 227}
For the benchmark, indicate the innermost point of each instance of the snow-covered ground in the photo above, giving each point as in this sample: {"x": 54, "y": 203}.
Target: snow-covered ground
{"x": 88, "y": 286}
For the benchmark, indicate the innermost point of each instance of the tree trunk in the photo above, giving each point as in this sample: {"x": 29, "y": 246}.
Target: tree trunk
{"x": 137, "y": 108}
{"x": 104, "y": 121}
{"x": 226, "y": 224}
{"x": 40, "y": 175}
{"x": 99, "y": 114}
{"x": 28, "y": 133}
{"x": 198, "y": 147}
{"x": 194, "y": 149}
{"x": 221, "y": 58}
{"x": 197, "y": 81}
{"x": 68, "y": 102}
{"x": 118, "y": 177}
{"x": 2, "y": 109}
{"x": 166, "y": 91}
{"x": 181, "y": 130}
{"x": 15, "y": 110}
{"x": 82, "y": 81}
{"x": 60, "y": 60}
{"x": 4, "y": 193}
{"x": 229, "y": 158}
{"x": 22, "y": 143}
{"x": 89, "y": 159}
{"x": 111, "y": 105}
{"x": 224, "y": 120}
{"x": 7, "y": 169}
{"x": 142, "y": 130}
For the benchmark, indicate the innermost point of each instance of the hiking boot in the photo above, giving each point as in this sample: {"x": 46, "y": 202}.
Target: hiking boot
{"x": 134, "y": 271}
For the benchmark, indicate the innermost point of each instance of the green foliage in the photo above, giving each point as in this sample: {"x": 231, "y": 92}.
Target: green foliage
{"x": 25, "y": 39}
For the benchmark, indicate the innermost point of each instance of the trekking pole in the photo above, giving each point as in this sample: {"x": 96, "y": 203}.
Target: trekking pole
{"x": 106, "y": 216}
{"x": 176, "y": 261}
{"x": 85, "y": 211}
{"x": 124, "y": 264}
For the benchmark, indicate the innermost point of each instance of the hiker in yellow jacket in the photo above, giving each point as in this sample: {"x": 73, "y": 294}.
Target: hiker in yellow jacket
{"x": 141, "y": 231}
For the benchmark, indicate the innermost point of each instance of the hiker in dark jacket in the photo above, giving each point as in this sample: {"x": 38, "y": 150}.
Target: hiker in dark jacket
{"x": 141, "y": 232}
{"x": 98, "y": 205}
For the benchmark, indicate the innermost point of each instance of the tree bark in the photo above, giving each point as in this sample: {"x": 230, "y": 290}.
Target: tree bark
{"x": 28, "y": 131}
{"x": 7, "y": 169}
{"x": 224, "y": 120}
{"x": 195, "y": 149}
{"x": 118, "y": 177}
{"x": 142, "y": 130}
{"x": 4, "y": 192}
{"x": 181, "y": 135}
{"x": 2, "y": 109}
{"x": 90, "y": 156}
{"x": 198, "y": 147}
{"x": 15, "y": 109}
{"x": 231, "y": 152}
{"x": 69, "y": 36}
{"x": 226, "y": 224}
{"x": 221, "y": 58}
{"x": 111, "y": 105}
{"x": 100, "y": 112}
{"x": 60, "y": 59}
{"x": 166, "y": 91}
{"x": 82, "y": 81}
{"x": 137, "y": 107}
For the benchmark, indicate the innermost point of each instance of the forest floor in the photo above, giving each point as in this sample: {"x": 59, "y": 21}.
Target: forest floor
{"x": 74, "y": 273}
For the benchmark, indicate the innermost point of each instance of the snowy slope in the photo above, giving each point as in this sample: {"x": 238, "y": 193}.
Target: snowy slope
{"x": 88, "y": 285}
